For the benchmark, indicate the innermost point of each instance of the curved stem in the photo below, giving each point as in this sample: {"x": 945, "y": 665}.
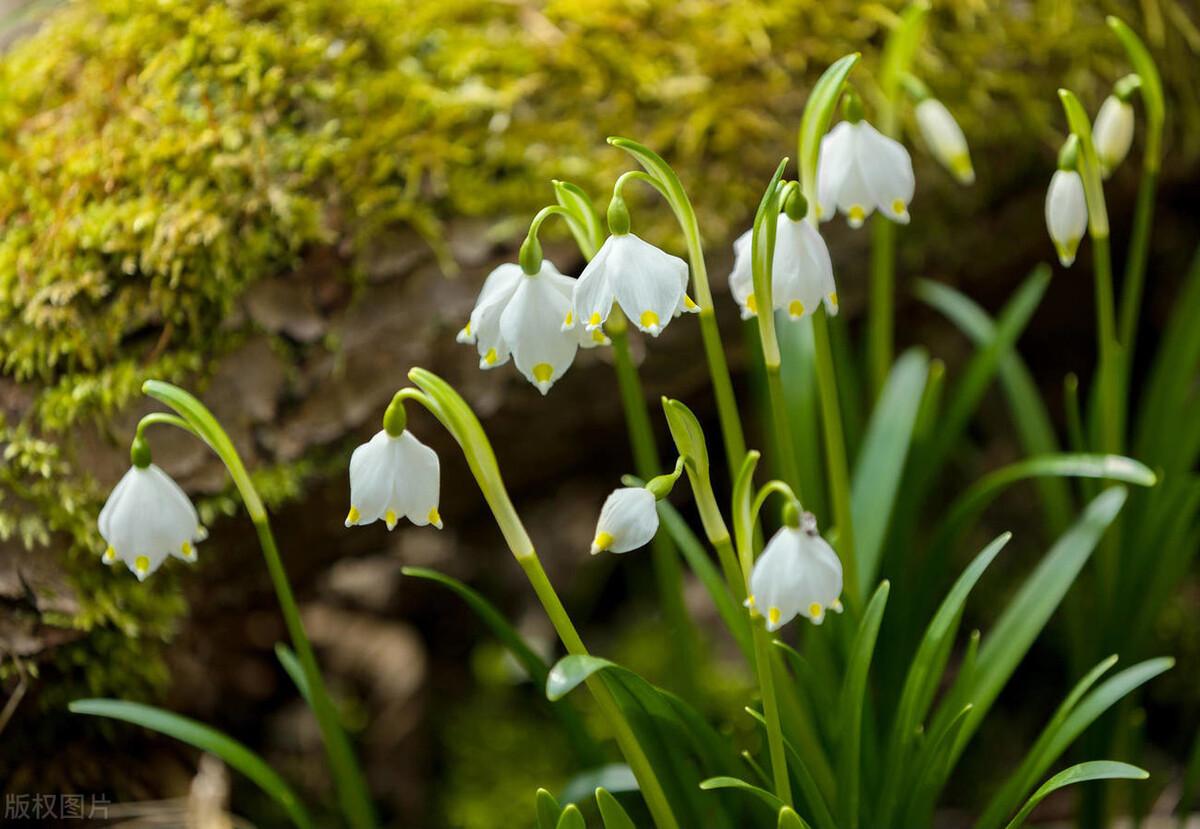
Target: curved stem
{"x": 155, "y": 418}
{"x": 835, "y": 452}
{"x": 666, "y": 182}
{"x": 445, "y": 404}
{"x": 353, "y": 794}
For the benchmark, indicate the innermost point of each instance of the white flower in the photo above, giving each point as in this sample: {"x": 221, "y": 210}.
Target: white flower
{"x": 801, "y": 271}
{"x": 649, "y": 284}
{"x": 628, "y": 520}
{"x": 394, "y": 477}
{"x": 945, "y": 139}
{"x": 798, "y": 574}
{"x": 522, "y": 315}
{"x": 147, "y": 518}
{"x": 860, "y": 170}
{"x": 1113, "y": 133}
{"x": 1066, "y": 213}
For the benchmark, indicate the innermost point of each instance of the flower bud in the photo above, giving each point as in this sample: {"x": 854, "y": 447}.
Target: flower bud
{"x": 1113, "y": 133}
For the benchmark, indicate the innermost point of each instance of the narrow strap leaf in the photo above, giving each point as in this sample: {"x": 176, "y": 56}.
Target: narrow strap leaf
{"x": 1081, "y": 773}
{"x": 611, "y": 813}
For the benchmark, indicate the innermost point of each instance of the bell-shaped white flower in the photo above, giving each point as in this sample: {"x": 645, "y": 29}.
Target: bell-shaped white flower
{"x": 945, "y": 139}
{"x": 147, "y": 518}
{"x": 649, "y": 284}
{"x": 861, "y": 170}
{"x": 1113, "y": 133}
{"x": 1066, "y": 213}
{"x": 521, "y": 315}
{"x": 798, "y": 574}
{"x": 393, "y": 477}
{"x": 628, "y": 520}
{"x": 801, "y": 271}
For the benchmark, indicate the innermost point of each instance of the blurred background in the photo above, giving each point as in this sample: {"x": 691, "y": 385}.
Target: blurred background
{"x": 286, "y": 205}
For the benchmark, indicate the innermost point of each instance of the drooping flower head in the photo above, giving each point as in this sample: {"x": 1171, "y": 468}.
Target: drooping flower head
{"x": 860, "y": 170}
{"x": 147, "y": 518}
{"x": 394, "y": 476}
{"x": 801, "y": 271}
{"x": 649, "y": 284}
{"x": 945, "y": 139}
{"x": 1112, "y": 133}
{"x": 1066, "y": 205}
{"x": 629, "y": 517}
{"x": 521, "y": 315}
{"x": 798, "y": 574}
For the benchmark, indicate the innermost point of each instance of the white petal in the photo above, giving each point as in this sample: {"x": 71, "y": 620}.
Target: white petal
{"x": 593, "y": 298}
{"x": 416, "y": 481}
{"x": 1113, "y": 132}
{"x": 370, "y": 480}
{"x": 741, "y": 278}
{"x": 532, "y": 324}
{"x": 149, "y": 519}
{"x": 833, "y": 165}
{"x": 648, "y": 283}
{"x": 628, "y": 520}
{"x": 799, "y": 266}
{"x": 484, "y": 326}
{"x": 886, "y": 169}
{"x": 945, "y": 138}
{"x": 774, "y": 582}
{"x": 1066, "y": 213}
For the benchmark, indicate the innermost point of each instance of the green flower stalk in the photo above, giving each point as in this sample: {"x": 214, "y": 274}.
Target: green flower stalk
{"x": 818, "y": 113}
{"x": 445, "y": 404}
{"x": 664, "y": 179}
{"x": 353, "y": 795}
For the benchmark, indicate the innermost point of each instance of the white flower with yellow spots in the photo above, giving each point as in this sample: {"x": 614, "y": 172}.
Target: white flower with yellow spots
{"x": 861, "y": 170}
{"x": 798, "y": 574}
{"x": 628, "y": 520}
{"x": 394, "y": 477}
{"x": 1113, "y": 133}
{"x": 147, "y": 518}
{"x": 1066, "y": 213}
{"x": 649, "y": 284}
{"x": 945, "y": 139}
{"x": 520, "y": 315}
{"x": 801, "y": 271}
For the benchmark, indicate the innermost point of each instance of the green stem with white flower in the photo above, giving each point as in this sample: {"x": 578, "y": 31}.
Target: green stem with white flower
{"x": 777, "y": 197}
{"x": 448, "y": 407}
{"x": 818, "y": 113}
{"x": 660, "y": 175}
{"x": 745, "y": 516}
{"x": 587, "y": 229}
{"x": 353, "y": 795}
{"x": 1149, "y": 89}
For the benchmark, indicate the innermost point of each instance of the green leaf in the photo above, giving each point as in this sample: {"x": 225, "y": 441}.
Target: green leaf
{"x": 880, "y": 464}
{"x": 986, "y": 489}
{"x": 1068, "y": 722}
{"x": 1030, "y": 609}
{"x": 788, "y": 819}
{"x": 611, "y": 813}
{"x": 537, "y": 669}
{"x": 814, "y": 123}
{"x": 548, "y": 810}
{"x": 612, "y": 777}
{"x": 1025, "y": 404}
{"x": 678, "y": 742}
{"x": 931, "y": 765}
{"x": 205, "y": 738}
{"x": 1094, "y": 770}
{"x": 291, "y": 666}
{"x": 714, "y": 783}
{"x": 850, "y": 714}
{"x": 800, "y": 769}
{"x": 571, "y": 818}
{"x": 969, "y": 390}
{"x": 925, "y": 672}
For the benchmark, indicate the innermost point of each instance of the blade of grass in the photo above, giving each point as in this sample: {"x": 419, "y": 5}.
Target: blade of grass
{"x": 1081, "y": 773}
{"x": 850, "y": 714}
